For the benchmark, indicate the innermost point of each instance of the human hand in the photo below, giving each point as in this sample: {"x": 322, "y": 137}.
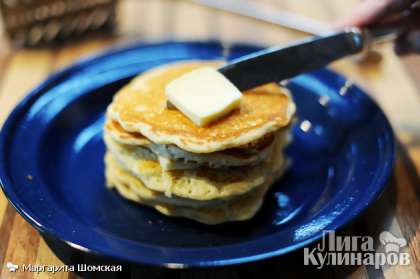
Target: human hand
{"x": 402, "y": 13}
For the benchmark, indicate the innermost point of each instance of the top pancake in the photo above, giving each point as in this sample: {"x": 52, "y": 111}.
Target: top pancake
{"x": 141, "y": 107}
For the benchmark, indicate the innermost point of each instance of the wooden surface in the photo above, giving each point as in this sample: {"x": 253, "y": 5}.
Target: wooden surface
{"x": 393, "y": 82}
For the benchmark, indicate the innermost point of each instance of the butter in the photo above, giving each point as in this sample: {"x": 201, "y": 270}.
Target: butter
{"x": 203, "y": 95}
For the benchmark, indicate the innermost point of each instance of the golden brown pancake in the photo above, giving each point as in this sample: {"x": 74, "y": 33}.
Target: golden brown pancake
{"x": 241, "y": 208}
{"x": 140, "y": 107}
{"x": 115, "y": 172}
{"x": 172, "y": 157}
{"x": 203, "y": 184}
{"x": 135, "y": 138}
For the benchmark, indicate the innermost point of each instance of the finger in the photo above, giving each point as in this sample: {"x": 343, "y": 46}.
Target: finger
{"x": 404, "y": 21}
{"x": 371, "y": 11}
{"x": 408, "y": 43}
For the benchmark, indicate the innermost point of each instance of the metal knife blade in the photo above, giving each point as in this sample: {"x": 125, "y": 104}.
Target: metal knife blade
{"x": 279, "y": 63}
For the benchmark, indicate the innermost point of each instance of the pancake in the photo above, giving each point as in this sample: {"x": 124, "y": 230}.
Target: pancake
{"x": 115, "y": 173}
{"x": 242, "y": 208}
{"x": 140, "y": 107}
{"x": 198, "y": 184}
{"x": 172, "y": 157}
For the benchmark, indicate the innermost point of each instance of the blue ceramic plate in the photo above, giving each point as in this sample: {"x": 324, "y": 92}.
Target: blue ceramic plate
{"x": 51, "y": 166}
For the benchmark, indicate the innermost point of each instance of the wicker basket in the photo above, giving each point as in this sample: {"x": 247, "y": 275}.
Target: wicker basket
{"x": 34, "y": 22}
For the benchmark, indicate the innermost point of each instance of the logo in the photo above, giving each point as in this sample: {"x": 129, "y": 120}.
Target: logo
{"x": 392, "y": 244}
{"x": 357, "y": 250}
{"x": 12, "y": 267}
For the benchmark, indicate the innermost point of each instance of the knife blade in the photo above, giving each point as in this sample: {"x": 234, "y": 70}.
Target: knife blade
{"x": 279, "y": 63}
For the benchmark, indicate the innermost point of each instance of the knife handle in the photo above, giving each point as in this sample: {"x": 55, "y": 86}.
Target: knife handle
{"x": 381, "y": 34}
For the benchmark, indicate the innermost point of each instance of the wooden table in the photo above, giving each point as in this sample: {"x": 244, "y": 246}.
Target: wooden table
{"x": 393, "y": 82}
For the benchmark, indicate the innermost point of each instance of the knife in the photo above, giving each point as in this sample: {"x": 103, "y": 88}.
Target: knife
{"x": 279, "y": 63}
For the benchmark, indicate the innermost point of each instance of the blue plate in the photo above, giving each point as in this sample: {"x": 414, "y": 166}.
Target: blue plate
{"x": 51, "y": 166}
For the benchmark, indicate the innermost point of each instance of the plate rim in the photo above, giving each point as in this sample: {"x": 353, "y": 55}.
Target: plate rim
{"x": 36, "y": 92}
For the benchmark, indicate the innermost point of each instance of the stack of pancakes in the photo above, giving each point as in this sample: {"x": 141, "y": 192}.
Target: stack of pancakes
{"x": 157, "y": 157}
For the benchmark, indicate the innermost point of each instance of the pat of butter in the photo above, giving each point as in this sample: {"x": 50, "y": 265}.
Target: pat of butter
{"x": 203, "y": 95}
